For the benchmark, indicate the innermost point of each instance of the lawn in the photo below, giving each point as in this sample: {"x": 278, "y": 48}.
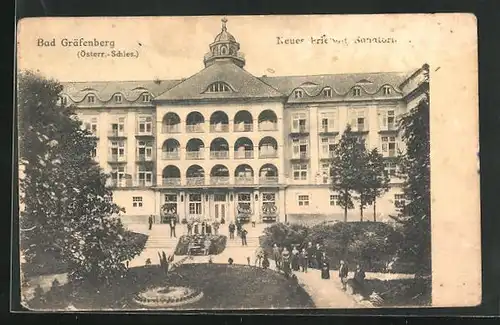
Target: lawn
{"x": 50, "y": 262}
{"x": 223, "y": 286}
{"x": 402, "y": 292}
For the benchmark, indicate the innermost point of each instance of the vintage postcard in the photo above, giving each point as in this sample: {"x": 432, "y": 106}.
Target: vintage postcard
{"x": 248, "y": 162}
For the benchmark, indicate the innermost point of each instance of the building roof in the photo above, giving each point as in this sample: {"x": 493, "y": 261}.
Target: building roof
{"x": 104, "y": 90}
{"x": 242, "y": 83}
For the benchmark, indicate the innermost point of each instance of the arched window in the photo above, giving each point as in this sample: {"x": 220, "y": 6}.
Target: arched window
{"x": 218, "y": 87}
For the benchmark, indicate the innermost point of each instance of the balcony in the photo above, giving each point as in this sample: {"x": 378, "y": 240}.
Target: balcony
{"x": 248, "y": 180}
{"x": 243, "y": 127}
{"x": 219, "y": 180}
{"x": 215, "y": 128}
{"x": 195, "y": 181}
{"x": 144, "y": 158}
{"x": 268, "y": 154}
{"x": 247, "y": 154}
{"x": 116, "y": 134}
{"x": 175, "y": 128}
{"x": 390, "y": 127}
{"x": 327, "y": 130}
{"x": 131, "y": 183}
{"x": 117, "y": 159}
{"x": 360, "y": 128}
{"x": 301, "y": 129}
{"x": 194, "y": 128}
{"x": 268, "y": 127}
{"x": 195, "y": 155}
{"x": 142, "y": 132}
{"x": 268, "y": 180}
{"x": 301, "y": 155}
{"x": 327, "y": 155}
{"x": 219, "y": 155}
{"x": 170, "y": 155}
{"x": 171, "y": 182}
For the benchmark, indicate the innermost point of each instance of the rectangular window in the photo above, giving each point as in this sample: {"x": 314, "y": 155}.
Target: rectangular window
{"x": 327, "y": 122}
{"x": 298, "y": 93}
{"x": 137, "y": 201}
{"x": 358, "y": 121}
{"x": 118, "y": 176}
{"x": 93, "y": 153}
{"x": 170, "y": 197}
{"x": 118, "y": 149}
{"x": 303, "y": 200}
{"x": 145, "y": 176}
{"x": 118, "y": 98}
{"x": 327, "y": 147}
{"x": 195, "y": 204}
{"x": 299, "y": 122}
{"x": 326, "y": 173}
{"x": 145, "y": 124}
{"x": 300, "y": 171}
{"x": 387, "y": 90}
{"x": 146, "y": 98}
{"x": 300, "y": 148}
{"x": 391, "y": 120}
{"x": 219, "y": 197}
{"x": 327, "y": 92}
{"x": 334, "y": 200}
{"x": 145, "y": 150}
{"x": 390, "y": 168}
{"x": 389, "y": 146}
{"x": 399, "y": 201}
{"x": 356, "y": 91}
{"x": 118, "y": 127}
{"x": 91, "y": 99}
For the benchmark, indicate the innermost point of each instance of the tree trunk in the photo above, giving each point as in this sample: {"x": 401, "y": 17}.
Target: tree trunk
{"x": 361, "y": 210}
{"x": 345, "y": 206}
{"x": 374, "y": 209}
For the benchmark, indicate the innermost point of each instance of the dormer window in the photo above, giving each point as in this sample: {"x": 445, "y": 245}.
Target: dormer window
{"x": 298, "y": 93}
{"x": 218, "y": 87}
{"x": 118, "y": 98}
{"x": 146, "y": 98}
{"x": 327, "y": 92}
{"x": 63, "y": 100}
{"x": 356, "y": 91}
{"x": 387, "y": 90}
{"x": 91, "y": 99}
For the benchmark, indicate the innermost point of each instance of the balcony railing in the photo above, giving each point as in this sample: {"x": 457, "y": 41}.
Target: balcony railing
{"x": 327, "y": 129}
{"x": 171, "y": 181}
{"x": 144, "y": 132}
{"x": 131, "y": 183}
{"x": 116, "y": 133}
{"x": 194, "y": 128}
{"x": 117, "y": 158}
{"x": 219, "y": 154}
{"x": 195, "y": 155}
{"x": 301, "y": 155}
{"x": 170, "y": 155}
{"x": 219, "y": 127}
{"x": 174, "y": 128}
{"x": 268, "y": 180}
{"x": 327, "y": 155}
{"x": 142, "y": 158}
{"x": 243, "y": 127}
{"x": 300, "y": 129}
{"x": 360, "y": 128}
{"x": 268, "y": 154}
{"x": 195, "y": 180}
{"x": 219, "y": 180}
{"x": 244, "y": 180}
{"x": 247, "y": 154}
{"x": 268, "y": 127}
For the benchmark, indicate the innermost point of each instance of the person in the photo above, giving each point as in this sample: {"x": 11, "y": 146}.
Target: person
{"x": 190, "y": 228}
{"x": 248, "y": 260}
{"x": 304, "y": 260}
{"x": 206, "y": 246}
{"x": 343, "y": 273}
{"x": 150, "y": 221}
{"x": 265, "y": 261}
{"x": 285, "y": 260}
{"x": 359, "y": 279}
{"x": 215, "y": 225}
{"x": 276, "y": 255}
{"x": 196, "y": 228}
{"x": 325, "y": 266}
{"x": 230, "y": 261}
{"x": 238, "y": 227}
{"x": 232, "y": 227}
{"x": 172, "y": 227}
{"x": 203, "y": 228}
{"x": 311, "y": 254}
{"x": 253, "y": 221}
{"x": 259, "y": 255}
{"x": 295, "y": 259}
{"x": 318, "y": 255}
{"x": 244, "y": 233}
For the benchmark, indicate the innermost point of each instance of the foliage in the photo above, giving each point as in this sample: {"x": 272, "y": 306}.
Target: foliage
{"x": 63, "y": 190}
{"x": 346, "y": 166}
{"x": 165, "y": 261}
{"x": 415, "y": 168}
{"x": 217, "y": 243}
{"x": 375, "y": 180}
{"x": 282, "y": 235}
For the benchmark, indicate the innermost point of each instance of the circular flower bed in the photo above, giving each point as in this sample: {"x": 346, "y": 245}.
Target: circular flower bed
{"x": 168, "y": 296}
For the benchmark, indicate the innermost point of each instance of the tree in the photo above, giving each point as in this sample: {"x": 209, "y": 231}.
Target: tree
{"x": 346, "y": 166}
{"x": 376, "y": 180}
{"x": 415, "y": 167}
{"x": 63, "y": 190}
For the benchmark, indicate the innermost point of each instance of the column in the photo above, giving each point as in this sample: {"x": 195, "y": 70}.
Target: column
{"x": 281, "y": 205}
{"x": 181, "y": 205}
{"x": 372, "y": 119}
{"x": 158, "y": 202}
{"x": 258, "y": 206}
{"x": 313, "y": 143}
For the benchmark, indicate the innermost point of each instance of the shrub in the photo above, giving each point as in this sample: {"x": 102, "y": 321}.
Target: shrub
{"x": 283, "y": 235}
{"x": 217, "y": 244}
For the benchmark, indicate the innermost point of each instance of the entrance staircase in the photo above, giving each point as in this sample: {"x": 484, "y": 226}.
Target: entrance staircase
{"x": 159, "y": 238}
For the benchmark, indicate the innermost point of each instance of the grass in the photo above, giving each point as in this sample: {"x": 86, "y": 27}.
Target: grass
{"x": 49, "y": 262}
{"x": 223, "y": 286}
{"x": 217, "y": 244}
{"x": 402, "y": 292}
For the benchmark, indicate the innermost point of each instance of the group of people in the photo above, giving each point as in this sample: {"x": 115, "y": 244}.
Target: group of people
{"x": 240, "y": 231}
{"x": 204, "y": 227}
{"x": 314, "y": 257}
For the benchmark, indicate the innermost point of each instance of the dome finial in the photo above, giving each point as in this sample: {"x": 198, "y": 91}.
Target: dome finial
{"x": 224, "y": 21}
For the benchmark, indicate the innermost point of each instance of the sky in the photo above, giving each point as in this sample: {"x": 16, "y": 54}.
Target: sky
{"x": 172, "y": 48}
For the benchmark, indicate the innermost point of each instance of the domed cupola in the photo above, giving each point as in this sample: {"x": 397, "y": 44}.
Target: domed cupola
{"x": 224, "y": 48}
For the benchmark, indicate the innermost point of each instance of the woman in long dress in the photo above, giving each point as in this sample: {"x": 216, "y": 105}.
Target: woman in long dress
{"x": 325, "y": 267}
{"x": 285, "y": 260}
{"x": 295, "y": 259}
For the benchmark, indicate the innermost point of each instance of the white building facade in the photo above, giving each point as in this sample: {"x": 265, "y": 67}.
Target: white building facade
{"x": 224, "y": 143}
